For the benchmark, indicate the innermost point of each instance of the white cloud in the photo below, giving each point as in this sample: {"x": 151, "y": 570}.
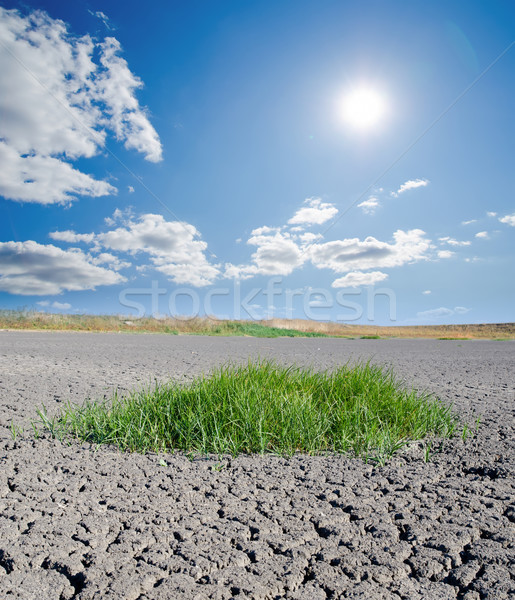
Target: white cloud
{"x": 435, "y": 313}
{"x": 353, "y": 254}
{"x": 483, "y": 235}
{"x": 426, "y": 292}
{"x": 61, "y": 305}
{"x": 60, "y": 95}
{"x": 118, "y": 216}
{"x": 445, "y": 254}
{"x": 276, "y": 254}
{"x": 58, "y": 305}
{"x": 264, "y": 230}
{"x": 411, "y": 184}
{"x": 112, "y": 261}
{"x": 130, "y": 189}
{"x": 174, "y": 247}
{"x": 309, "y": 237}
{"x": 369, "y": 206}
{"x": 453, "y": 242}
{"x": 318, "y": 303}
{"x": 28, "y": 268}
{"x": 280, "y": 253}
{"x": 491, "y": 214}
{"x": 116, "y": 85}
{"x": 358, "y": 278}
{"x": 103, "y": 17}
{"x": 71, "y": 237}
{"x": 508, "y": 219}
{"x": 469, "y": 222}
{"x": 442, "y": 312}
{"x": 281, "y": 250}
{"x": 44, "y": 179}
{"x": 315, "y": 212}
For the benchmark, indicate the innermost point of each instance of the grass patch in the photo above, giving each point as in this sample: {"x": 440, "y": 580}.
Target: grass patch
{"x": 370, "y": 337}
{"x": 264, "y": 408}
{"x": 254, "y": 329}
{"x": 454, "y": 338}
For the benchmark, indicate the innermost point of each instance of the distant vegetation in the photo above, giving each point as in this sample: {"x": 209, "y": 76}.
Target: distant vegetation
{"x": 197, "y": 326}
{"x": 32, "y": 319}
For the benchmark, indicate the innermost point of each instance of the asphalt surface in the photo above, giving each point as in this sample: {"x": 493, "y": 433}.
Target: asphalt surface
{"x": 79, "y": 523}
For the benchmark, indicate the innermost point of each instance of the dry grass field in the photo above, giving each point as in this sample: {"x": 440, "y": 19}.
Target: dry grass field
{"x": 488, "y": 331}
{"x": 35, "y": 320}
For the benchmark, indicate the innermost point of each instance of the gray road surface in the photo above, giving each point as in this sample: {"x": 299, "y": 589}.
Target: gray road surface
{"x": 80, "y": 524}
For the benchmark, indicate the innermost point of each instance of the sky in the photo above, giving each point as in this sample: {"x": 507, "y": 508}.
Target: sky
{"x": 349, "y": 161}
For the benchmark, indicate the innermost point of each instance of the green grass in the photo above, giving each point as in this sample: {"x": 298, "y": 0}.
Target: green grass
{"x": 264, "y": 408}
{"x": 258, "y": 330}
{"x": 370, "y": 337}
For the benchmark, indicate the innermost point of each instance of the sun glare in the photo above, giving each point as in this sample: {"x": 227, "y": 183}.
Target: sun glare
{"x": 363, "y": 108}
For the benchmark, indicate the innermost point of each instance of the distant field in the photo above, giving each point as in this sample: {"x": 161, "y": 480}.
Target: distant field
{"x": 488, "y": 331}
{"x": 11, "y": 319}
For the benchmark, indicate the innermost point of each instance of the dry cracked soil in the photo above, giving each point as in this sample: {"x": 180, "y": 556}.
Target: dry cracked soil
{"x": 82, "y": 523}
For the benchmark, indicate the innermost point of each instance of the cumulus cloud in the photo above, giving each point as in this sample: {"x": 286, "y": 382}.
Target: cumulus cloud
{"x": 72, "y": 237}
{"x": 508, "y": 220}
{"x": 482, "y": 235}
{"x": 314, "y": 212}
{"x": 411, "y": 184}
{"x": 358, "y": 279}
{"x": 280, "y": 252}
{"x": 453, "y": 242}
{"x": 369, "y": 206}
{"x": 44, "y": 179}
{"x": 276, "y": 254}
{"x": 469, "y": 222}
{"x": 174, "y": 247}
{"x": 354, "y": 254}
{"x": 60, "y": 96}
{"x": 61, "y": 305}
{"x": 112, "y": 261}
{"x": 308, "y": 237}
{"x": 491, "y": 214}
{"x": 58, "y": 305}
{"x": 445, "y": 254}
{"x": 426, "y": 292}
{"x": 28, "y": 268}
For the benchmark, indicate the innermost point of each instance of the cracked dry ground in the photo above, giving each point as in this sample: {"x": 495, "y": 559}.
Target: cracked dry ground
{"x": 81, "y": 524}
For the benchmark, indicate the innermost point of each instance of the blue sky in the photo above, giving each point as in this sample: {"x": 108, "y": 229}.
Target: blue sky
{"x": 206, "y": 157}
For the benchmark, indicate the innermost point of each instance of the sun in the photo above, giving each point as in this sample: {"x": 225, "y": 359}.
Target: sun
{"x": 363, "y": 108}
